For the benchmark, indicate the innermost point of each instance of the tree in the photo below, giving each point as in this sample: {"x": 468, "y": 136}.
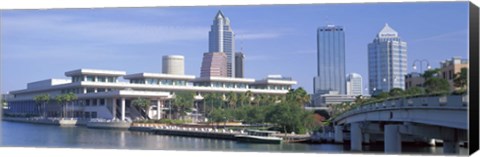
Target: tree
{"x": 248, "y": 96}
{"x": 301, "y": 96}
{"x": 415, "y": 91}
{"x": 382, "y": 95}
{"x": 64, "y": 100}
{"x": 232, "y": 100}
{"x": 460, "y": 80}
{"x": 437, "y": 85}
{"x": 42, "y": 100}
{"x": 183, "y": 102}
{"x": 395, "y": 92}
{"x": 431, "y": 73}
{"x": 242, "y": 99}
{"x": 144, "y": 104}
{"x": 359, "y": 99}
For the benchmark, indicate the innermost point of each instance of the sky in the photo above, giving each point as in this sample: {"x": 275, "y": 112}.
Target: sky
{"x": 276, "y": 39}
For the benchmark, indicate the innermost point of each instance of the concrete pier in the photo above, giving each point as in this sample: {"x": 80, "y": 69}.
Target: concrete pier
{"x": 366, "y": 138}
{"x": 356, "y": 137}
{"x": 338, "y": 134}
{"x": 450, "y": 147}
{"x": 393, "y": 140}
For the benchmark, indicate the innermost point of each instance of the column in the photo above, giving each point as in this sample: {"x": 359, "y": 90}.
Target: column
{"x": 450, "y": 147}
{"x": 159, "y": 111}
{"x": 123, "y": 109}
{"x": 339, "y": 134}
{"x": 98, "y": 102}
{"x": 393, "y": 140}
{"x": 366, "y": 138}
{"x": 114, "y": 109}
{"x": 355, "y": 137}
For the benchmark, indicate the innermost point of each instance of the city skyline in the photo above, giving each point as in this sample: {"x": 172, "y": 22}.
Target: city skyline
{"x": 266, "y": 47}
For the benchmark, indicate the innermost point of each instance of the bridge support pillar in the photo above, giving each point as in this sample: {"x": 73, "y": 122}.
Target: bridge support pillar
{"x": 338, "y": 134}
{"x": 366, "y": 138}
{"x": 450, "y": 147}
{"x": 355, "y": 137}
{"x": 393, "y": 140}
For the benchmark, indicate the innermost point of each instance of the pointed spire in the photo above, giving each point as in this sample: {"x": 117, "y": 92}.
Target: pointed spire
{"x": 219, "y": 15}
{"x": 387, "y": 32}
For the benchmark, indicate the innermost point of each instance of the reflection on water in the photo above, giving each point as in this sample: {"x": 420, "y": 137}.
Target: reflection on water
{"x": 34, "y": 135}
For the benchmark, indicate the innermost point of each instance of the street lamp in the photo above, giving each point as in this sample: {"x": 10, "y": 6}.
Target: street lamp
{"x": 421, "y": 61}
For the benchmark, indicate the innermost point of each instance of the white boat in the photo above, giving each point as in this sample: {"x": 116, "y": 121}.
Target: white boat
{"x": 258, "y": 136}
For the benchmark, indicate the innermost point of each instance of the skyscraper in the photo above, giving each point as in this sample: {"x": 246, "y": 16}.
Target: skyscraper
{"x": 330, "y": 60}
{"x": 239, "y": 65}
{"x": 354, "y": 84}
{"x": 387, "y": 61}
{"x": 214, "y": 64}
{"x": 221, "y": 39}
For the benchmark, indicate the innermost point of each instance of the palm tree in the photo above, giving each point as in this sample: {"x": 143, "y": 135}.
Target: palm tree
{"x": 301, "y": 96}
{"x": 183, "y": 102}
{"x": 42, "y": 99}
{"x": 64, "y": 100}
{"x": 144, "y": 104}
{"x": 248, "y": 96}
{"x": 241, "y": 100}
{"x": 232, "y": 100}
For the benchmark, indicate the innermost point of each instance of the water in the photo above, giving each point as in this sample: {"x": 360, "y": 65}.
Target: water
{"x": 36, "y": 135}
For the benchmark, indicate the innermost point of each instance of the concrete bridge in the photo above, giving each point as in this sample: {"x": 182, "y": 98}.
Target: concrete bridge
{"x": 432, "y": 117}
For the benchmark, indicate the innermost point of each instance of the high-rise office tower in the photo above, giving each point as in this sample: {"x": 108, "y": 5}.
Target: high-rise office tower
{"x": 239, "y": 65}
{"x": 214, "y": 64}
{"x": 354, "y": 84}
{"x": 330, "y": 60}
{"x": 387, "y": 61}
{"x": 221, "y": 39}
{"x": 173, "y": 64}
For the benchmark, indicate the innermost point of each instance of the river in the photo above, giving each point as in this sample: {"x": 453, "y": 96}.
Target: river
{"x": 37, "y": 135}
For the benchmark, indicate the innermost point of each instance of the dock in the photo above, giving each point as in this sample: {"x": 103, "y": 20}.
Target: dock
{"x": 225, "y": 134}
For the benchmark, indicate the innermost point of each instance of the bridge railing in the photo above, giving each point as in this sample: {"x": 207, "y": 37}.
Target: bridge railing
{"x": 447, "y": 101}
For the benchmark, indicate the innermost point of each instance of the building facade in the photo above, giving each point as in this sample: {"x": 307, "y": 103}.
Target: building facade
{"x": 173, "y": 64}
{"x": 331, "y": 98}
{"x": 102, "y": 95}
{"x": 239, "y": 66}
{"x": 449, "y": 68}
{"x": 330, "y": 60}
{"x": 354, "y": 84}
{"x": 214, "y": 64}
{"x": 414, "y": 79}
{"x": 222, "y": 39}
{"x": 387, "y": 61}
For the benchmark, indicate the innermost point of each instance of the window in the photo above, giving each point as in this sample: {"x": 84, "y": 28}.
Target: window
{"x": 87, "y": 102}
{"x": 90, "y": 78}
{"x": 90, "y": 90}
{"x": 110, "y": 79}
{"x": 102, "y": 101}
{"x": 101, "y": 79}
{"x": 94, "y": 102}
{"x": 94, "y": 114}
{"x": 87, "y": 114}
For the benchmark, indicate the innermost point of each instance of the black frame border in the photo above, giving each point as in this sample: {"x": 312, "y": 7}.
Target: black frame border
{"x": 473, "y": 86}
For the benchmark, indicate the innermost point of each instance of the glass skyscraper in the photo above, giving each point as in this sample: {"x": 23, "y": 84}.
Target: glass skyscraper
{"x": 221, "y": 39}
{"x": 330, "y": 60}
{"x": 387, "y": 61}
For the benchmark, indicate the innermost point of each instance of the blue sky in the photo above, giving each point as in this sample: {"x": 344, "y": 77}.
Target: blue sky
{"x": 279, "y": 39}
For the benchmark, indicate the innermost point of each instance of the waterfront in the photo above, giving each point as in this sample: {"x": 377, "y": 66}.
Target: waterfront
{"x": 36, "y": 135}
